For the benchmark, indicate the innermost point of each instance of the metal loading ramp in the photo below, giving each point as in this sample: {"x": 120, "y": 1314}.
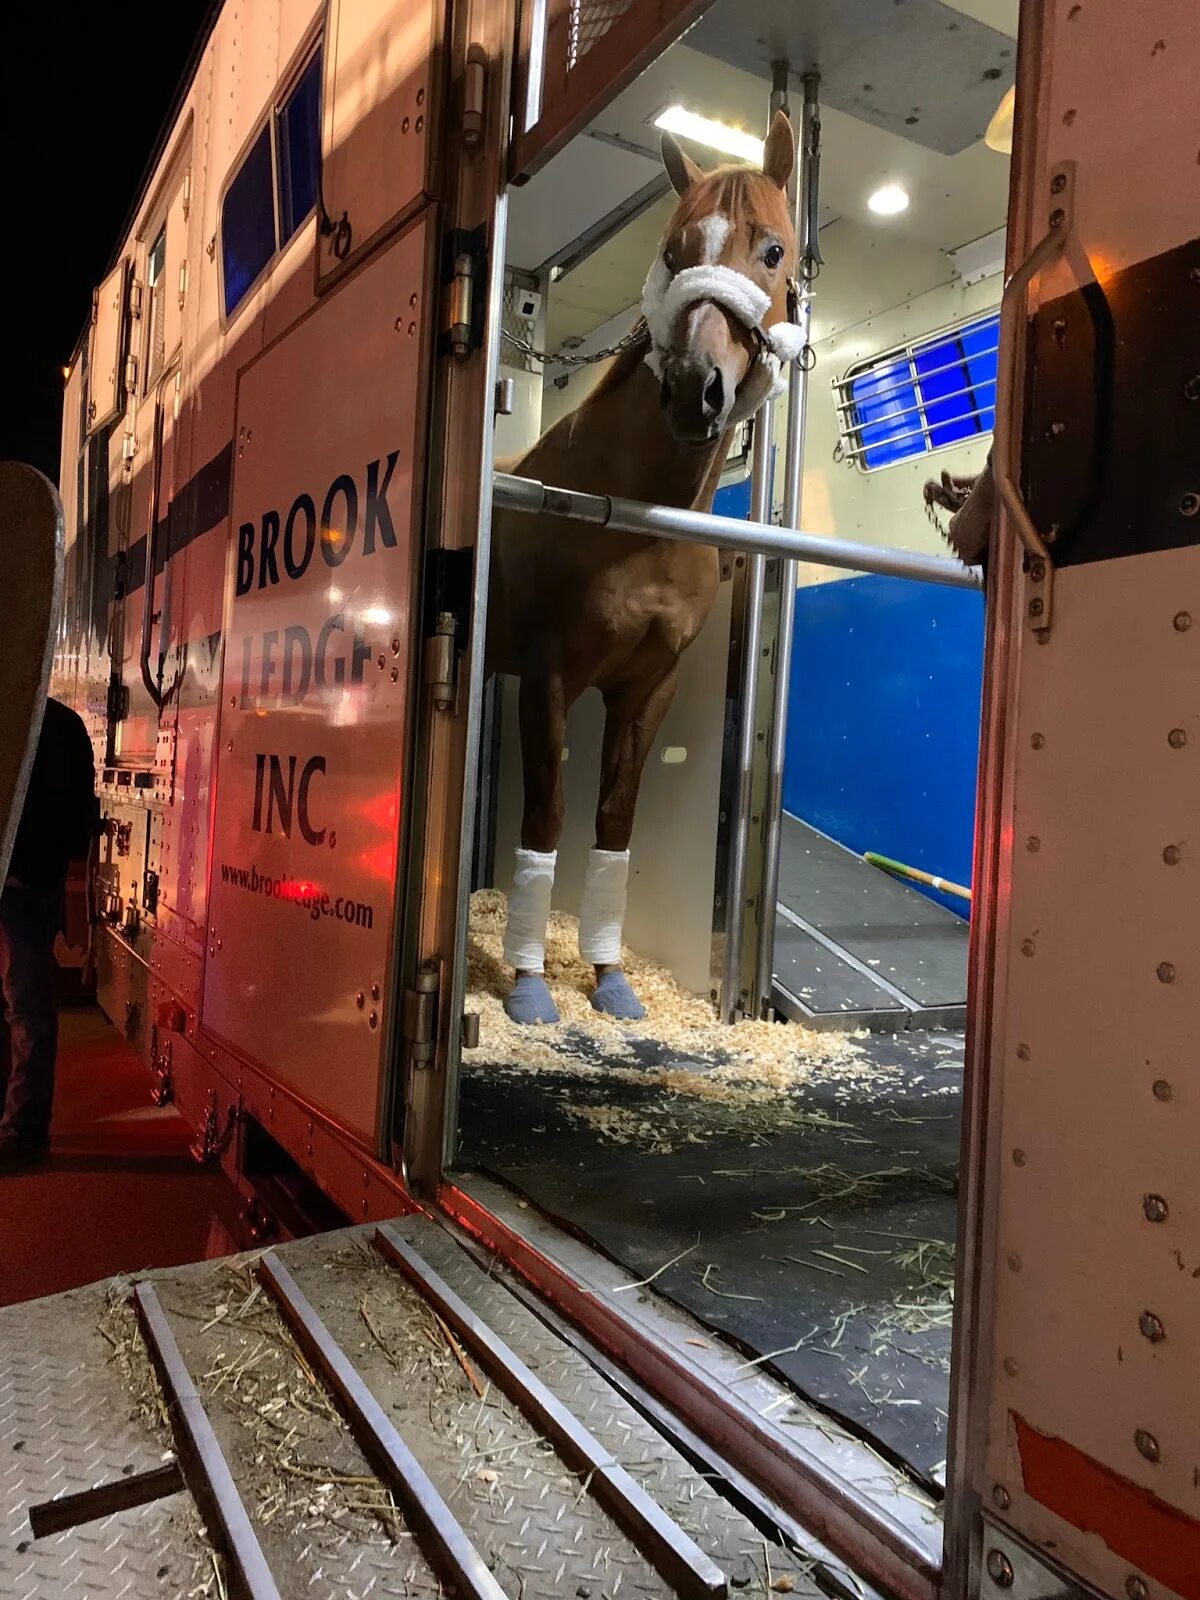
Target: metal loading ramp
{"x": 372, "y": 1414}
{"x": 855, "y": 948}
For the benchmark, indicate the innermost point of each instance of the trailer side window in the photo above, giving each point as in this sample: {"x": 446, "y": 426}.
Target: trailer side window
{"x": 248, "y": 222}
{"x": 921, "y": 397}
{"x": 298, "y": 146}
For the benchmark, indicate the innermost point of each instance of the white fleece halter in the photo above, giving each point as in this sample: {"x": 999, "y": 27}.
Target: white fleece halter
{"x": 666, "y": 295}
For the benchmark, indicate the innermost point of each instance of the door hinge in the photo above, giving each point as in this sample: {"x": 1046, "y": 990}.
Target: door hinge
{"x": 118, "y": 701}
{"x": 135, "y": 299}
{"x": 186, "y": 197}
{"x": 464, "y": 285}
{"x": 419, "y": 1016}
{"x": 474, "y": 97}
{"x": 441, "y": 661}
{"x": 131, "y": 375}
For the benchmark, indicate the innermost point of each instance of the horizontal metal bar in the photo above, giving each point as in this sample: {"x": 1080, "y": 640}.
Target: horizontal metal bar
{"x": 424, "y": 1509}
{"x": 921, "y": 408}
{"x": 925, "y": 432}
{"x": 204, "y": 1466}
{"x": 856, "y": 374}
{"x": 675, "y": 1556}
{"x": 724, "y": 533}
{"x": 105, "y": 1500}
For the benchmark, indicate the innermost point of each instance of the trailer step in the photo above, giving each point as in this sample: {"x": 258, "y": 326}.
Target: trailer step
{"x": 393, "y": 1418}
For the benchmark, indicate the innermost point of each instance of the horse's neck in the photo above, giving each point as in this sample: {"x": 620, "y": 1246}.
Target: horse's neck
{"x": 618, "y": 443}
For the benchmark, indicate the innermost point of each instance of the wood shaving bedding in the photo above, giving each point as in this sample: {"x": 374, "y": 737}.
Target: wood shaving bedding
{"x": 744, "y": 1063}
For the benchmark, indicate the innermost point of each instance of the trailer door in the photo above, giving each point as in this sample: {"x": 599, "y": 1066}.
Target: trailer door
{"x": 328, "y": 448}
{"x": 1077, "y": 1425}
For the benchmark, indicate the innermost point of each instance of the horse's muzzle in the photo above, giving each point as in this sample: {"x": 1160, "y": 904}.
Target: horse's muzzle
{"x": 697, "y": 399}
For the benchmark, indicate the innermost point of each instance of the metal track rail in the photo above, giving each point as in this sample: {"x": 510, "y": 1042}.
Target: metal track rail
{"x": 205, "y": 1470}
{"x": 424, "y": 1509}
{"x": 724, "y": 533}
{"x": 676, "y": 1556}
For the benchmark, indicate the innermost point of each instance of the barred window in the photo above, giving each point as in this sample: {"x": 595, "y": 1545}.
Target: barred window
{"x": 920, "y": 397}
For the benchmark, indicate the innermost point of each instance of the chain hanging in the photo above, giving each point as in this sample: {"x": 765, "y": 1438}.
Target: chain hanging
{"x": 567, "y": 358}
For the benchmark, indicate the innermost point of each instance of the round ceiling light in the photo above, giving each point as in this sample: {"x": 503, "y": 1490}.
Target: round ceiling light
{"x": 889, "y": 201}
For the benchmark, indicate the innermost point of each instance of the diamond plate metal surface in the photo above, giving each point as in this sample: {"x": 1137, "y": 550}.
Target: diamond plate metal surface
{"x": 66, "y": 1424}
{"x": 720, "y": 1530}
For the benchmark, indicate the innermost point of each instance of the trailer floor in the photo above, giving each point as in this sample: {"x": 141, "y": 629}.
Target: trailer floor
{"x": 818, "y": 1230}
{"x": 121, "y": 1190}
{"x": 79, "y": 1406}
{"x": 855, "y": 947}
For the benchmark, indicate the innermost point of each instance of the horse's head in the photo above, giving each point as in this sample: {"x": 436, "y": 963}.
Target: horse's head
{"x": 738, "y": 218}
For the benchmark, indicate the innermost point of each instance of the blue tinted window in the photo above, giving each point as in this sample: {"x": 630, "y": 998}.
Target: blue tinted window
{"x": 248, "y": 222}
{"x": 298, "y": 143}
{"x": 946, "y": 393}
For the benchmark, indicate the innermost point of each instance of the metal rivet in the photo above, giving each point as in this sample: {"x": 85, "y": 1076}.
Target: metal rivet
{"x": 1166, "y": 972}
{"x": 1023, "y": 1052}
{"x": 1177, "y": 738}
{"x": 1038, "y": 571}
{"x": 1057, "y": 217}
{"x": 1028, "y": 948}
{"x": 360, "y": 999}
{"x": 1155, "y": 1208}
{"x": 374, "y": 991}
{"x": 1151, "y": 1327}
{"x": 382, "y": 661}
{"x": 1058, "y": 183}
{"x": 1172, "y": 855}
{"x": 1033, "y": 843}
{"x": 1147, "y": 1445}
{"x": 373, "y": 1019}
{"x": 1038, "y": 740}
{"x": 1182, "y": 621}
{"x": 1056, "y": 430}
{"x": 1001, "y": 1498}
{"x": 1011, "y": 1367}
{"x": 1036, "y": 606}
{"x": 1191, "y": 389}
{"x": 395, "y": 674}
{"x": 1162, "y": 1089}
{"x": 1137, "y": 1588}
{"x": 1189, "y": 505}
{"x": 395, "y": 647}
{"x": 412, "y": 300}
{"x": 1014, "y": 1262}
{"x": 1000, "y": 1569}
{"x": 1019, "y": 1158}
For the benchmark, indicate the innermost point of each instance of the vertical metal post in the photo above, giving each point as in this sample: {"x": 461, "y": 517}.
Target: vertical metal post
{"x": 732, "y": 1000}
{"x": 735, "y": 997}
{"x": 806, "y": 204}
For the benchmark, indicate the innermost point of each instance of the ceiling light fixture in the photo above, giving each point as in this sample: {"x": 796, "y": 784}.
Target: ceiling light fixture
{"x": 889, "y": 201}
{"x": 999, "y": 135}
{"x": 716, "y": 135}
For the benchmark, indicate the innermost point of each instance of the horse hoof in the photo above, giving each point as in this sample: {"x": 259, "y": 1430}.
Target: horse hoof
{"x": 530, "y": 1000}
{"x": 615, "y": 998}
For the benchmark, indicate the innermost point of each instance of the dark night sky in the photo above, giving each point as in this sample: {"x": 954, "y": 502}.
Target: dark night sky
{"x": 84, "y": 89}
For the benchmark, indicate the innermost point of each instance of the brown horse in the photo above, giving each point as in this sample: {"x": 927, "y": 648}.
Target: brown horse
{"x": 575, "y": 607}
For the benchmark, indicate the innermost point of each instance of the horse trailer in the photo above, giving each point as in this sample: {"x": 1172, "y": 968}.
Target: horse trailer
{"x": 823, "y": 1241}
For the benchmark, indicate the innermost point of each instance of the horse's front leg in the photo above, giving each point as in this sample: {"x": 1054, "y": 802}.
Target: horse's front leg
{"x": 633, "y": 717}
{"x": 543, "y": 718}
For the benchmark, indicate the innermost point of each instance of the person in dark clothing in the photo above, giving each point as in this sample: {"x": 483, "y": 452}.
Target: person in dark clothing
{"x": 58, "y": 824}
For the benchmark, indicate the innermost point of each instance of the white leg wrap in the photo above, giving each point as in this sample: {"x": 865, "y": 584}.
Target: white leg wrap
{"x": 602, "y": 914}
{"x": 529, "y": 911}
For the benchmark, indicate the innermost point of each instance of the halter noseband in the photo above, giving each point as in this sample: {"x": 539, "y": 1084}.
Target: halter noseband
{"x": 666, "y": 295}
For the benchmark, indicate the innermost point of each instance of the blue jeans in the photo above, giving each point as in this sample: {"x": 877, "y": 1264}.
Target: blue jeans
{"x": 29, "y": 923}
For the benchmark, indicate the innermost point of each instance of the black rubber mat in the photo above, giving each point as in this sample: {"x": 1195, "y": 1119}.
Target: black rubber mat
{"x": 816, "y": 1227}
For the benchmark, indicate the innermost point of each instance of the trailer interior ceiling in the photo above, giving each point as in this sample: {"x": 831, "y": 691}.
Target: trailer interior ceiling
{"x": 792, "y": 1186}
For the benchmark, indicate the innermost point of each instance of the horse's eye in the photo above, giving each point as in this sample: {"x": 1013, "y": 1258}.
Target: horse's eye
{"x": 773, "y": 255}
{"x": 668, "y": 261}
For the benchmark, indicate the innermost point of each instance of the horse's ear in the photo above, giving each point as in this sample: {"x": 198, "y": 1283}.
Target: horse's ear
{"x": 681, "y": 169}
{"x": 779, "y": 152}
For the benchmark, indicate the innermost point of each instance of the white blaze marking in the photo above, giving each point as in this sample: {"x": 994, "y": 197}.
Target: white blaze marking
{"x": 714, "y": 232}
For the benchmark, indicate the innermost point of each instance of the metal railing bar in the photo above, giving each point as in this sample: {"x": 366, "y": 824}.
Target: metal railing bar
{"x": 527, "y": 496}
